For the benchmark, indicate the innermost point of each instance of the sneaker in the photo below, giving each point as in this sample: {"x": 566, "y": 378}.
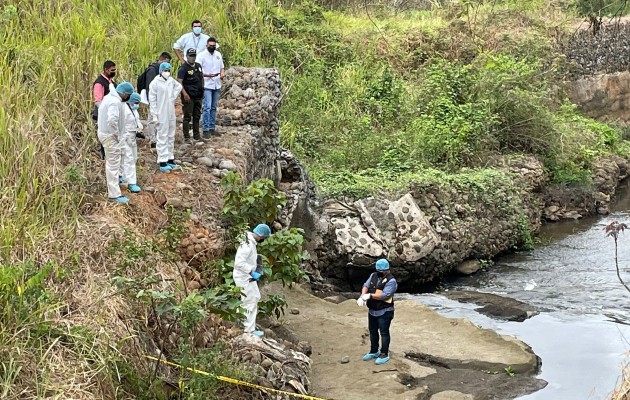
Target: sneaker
{"x": 187, "y": 140}
{"x": 121, "y": 180}
{"x": 382, "y": 359}
{"x": 370, "y": 356}
{"x": 133, "y": 188}
{"x": 196, "y": 138}
{"x": 206, "y": 136}
{"x": 120, "y": 199}
{"x": 165, "y": 168}
{"x": 258, "y": 333}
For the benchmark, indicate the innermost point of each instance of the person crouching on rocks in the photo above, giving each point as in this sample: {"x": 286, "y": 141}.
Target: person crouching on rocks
{"x": 378, "y": 293}
{"x": 246, "y": 275}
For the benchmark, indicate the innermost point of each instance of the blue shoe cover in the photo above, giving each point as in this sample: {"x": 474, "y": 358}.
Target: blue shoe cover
{"x": 381, "y": 360}
{"x": 167, "y": 168}
{"x": 120, "y": 199}
{"x": 258, "y": 333}
{"x": 370, "y": 356}
{"x": 133, "y": 188}
{"x": 173, "y": 166}
{"x": 121, "y": 180}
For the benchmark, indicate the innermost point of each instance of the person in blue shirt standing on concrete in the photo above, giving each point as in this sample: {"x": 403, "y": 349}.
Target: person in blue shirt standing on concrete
{"x": 378, "y": 294}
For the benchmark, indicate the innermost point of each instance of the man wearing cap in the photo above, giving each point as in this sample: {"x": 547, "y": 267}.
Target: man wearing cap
{"x": 190, "y": 75}
{"x": 246, "y": 277}
{"x": 111, "y": 130}
{"x": 378, "y": 293}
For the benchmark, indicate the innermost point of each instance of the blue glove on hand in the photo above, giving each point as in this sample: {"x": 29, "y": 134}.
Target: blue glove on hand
{"x": 255, "y": 275}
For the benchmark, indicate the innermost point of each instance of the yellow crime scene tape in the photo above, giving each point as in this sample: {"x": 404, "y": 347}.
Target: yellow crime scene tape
{"x": 235, "y": 381}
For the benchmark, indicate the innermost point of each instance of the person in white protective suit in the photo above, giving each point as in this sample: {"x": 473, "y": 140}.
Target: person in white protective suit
{"x": 163, "y": 92}
{"x": 133, "y": 127}
{"x": 246, "y": 276}
{"x": 111, "y": 128}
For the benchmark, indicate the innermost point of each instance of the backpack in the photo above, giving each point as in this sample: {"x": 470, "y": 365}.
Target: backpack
{"x": 141, "y": 83}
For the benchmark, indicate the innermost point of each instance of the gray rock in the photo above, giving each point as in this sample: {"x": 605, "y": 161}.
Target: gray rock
{"x": 335, "y": 299}
{"x": 345, "y": 359}
{"x": 294, "y": 311}
{"x": 468, "y": 267}
{"x": 216, "y": 172}
{"x": 205, "y": 161}
{"x": 227, "y": 165}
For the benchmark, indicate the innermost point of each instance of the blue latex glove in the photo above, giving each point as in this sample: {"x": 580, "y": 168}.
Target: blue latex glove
{"x": 255, "y": 275}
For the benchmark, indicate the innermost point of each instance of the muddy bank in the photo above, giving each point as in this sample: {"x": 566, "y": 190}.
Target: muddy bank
{"x": 433, "y": 357}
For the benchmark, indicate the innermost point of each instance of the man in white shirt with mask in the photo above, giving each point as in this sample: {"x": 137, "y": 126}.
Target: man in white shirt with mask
{"x": 213, "y": 71}
{"x": 194, "y": 39}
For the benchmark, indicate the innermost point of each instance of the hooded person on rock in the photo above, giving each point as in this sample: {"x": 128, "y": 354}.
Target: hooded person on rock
{"x": 246, "y": 276}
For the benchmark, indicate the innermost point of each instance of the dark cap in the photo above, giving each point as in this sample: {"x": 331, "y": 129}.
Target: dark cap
{"x": 191, "y": 52}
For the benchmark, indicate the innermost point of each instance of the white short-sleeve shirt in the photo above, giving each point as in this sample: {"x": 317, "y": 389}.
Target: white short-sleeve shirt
{"x": 211, "y": 64}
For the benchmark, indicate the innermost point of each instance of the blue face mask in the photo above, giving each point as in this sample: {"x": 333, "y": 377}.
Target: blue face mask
{"x": 135, "y": 106}
{"x": 197, "y": 30}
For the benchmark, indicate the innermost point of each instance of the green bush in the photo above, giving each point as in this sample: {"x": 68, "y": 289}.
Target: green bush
{"x": 245, "y": 207}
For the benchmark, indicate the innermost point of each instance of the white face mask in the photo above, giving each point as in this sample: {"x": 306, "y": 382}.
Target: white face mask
{"x": 166, "y": 74}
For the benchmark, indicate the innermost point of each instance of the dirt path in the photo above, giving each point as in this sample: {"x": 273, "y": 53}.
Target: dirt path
{"x": 432, "y": 357}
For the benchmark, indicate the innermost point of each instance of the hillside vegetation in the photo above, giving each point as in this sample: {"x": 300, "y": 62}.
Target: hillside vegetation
{"x": 374, "y": 98}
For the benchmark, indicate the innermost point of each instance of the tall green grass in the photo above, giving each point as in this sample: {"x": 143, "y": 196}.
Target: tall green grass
{"x": 50, "y": 53}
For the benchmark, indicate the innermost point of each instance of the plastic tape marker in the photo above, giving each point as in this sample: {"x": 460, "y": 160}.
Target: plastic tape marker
{"x": 236, "y": 381}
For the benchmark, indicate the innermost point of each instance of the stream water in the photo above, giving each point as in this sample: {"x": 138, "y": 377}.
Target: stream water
{"x": 582, "y": 333}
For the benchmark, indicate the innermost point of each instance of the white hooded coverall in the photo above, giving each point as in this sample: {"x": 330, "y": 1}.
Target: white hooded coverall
{"x": 162, "y": 96}
{"x": 129, "y": 146}
{"x": 111, "y": 127}
{"x": 244, "y": 265}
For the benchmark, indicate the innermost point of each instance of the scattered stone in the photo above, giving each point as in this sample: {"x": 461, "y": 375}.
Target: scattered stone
{"x": 228, "y": 165}
{"x": 468, "y": 267}
{"x": 266, "y": 363}
{"x": 294, "y": 311}
{"x": 216, "y": 172}
{"x": 184, "y": 147}
{"x": 149, "y": 189}
{"x": 199, "y": 144}
{"x": 335, "y": 299}
{"x": 187, "y": 164}
{"x": 205, "y": 161}
{"x": 345, "y": 359}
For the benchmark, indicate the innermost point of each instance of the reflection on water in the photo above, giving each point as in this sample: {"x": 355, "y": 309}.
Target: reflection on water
{"x": 575, "y": 274}
{"x": 581, "y": 354}
{"x": 581, "y": 333}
